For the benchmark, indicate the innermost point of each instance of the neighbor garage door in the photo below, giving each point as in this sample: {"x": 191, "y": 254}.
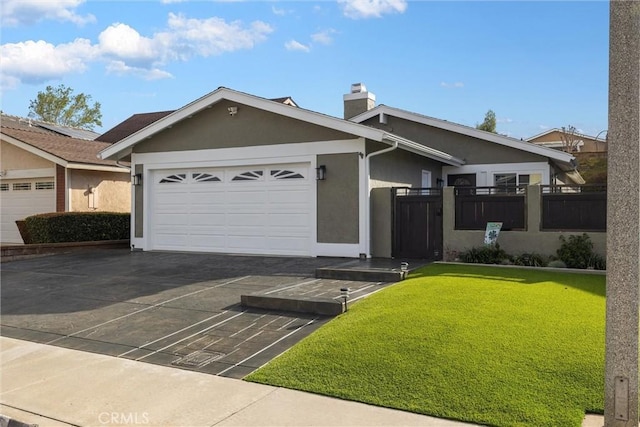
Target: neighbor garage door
{"x": 253, "y": 210}
{"x": 20, "y": 198}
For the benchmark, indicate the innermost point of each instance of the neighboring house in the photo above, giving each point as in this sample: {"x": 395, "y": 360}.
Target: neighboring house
{"x": 43, "y": 169}
{"x": 552, "y": 138}
{"x": 232, "y": 172}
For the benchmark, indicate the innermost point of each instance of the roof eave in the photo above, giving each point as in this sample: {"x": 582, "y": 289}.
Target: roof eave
{"x": 34, "y": 150}
{"x": 423, "y": 150}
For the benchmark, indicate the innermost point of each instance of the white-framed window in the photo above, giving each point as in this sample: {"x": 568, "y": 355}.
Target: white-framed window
{"x": 512, "y": 179}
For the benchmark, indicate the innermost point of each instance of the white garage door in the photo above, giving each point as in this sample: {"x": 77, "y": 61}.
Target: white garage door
{"x": 253, "y": 210}
{"x": 20, "y": 198}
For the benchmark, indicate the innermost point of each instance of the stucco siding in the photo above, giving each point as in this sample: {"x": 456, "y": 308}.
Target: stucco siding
{"x": 99, "y": 191}
{"x": 338, "y": 199}
{"x": 14, "y": 158}
{"x": 472, "y": 150}
{"x": 215, "y": 128}
{"x": 397, "y": 168}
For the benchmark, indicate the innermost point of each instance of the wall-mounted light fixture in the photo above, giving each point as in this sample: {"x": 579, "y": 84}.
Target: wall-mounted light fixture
{"x": 440, "y": 182}
{"x": 136, "y": 179}
{"x": 232, "y": 111}
{"x": 321, "y": 173}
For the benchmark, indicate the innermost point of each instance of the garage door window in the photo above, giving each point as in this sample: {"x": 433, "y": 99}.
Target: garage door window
{"x": 173, "y": 179}
{"x": 249, "y": 176}
{"x": 285, "y": 174}
{"x": 205, "y": 177}
{"x": 44, "y": 185}
{"x": 22, "y": 186}
{"x": 4, "y": 187}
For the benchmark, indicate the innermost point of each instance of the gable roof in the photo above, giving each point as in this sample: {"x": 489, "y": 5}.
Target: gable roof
{"x": 123, "y": 147}
{"x": 131, "y": 125}
{"x": 566, "y": 161}
{"x": 142, "y": 120}
{"x": 63, "y": 150}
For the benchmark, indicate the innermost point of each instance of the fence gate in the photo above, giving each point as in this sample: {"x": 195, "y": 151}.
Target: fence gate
{"x": 417, "y": 223}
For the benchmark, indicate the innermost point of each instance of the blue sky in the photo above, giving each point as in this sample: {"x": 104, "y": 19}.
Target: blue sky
{"x": 538, "y": 65}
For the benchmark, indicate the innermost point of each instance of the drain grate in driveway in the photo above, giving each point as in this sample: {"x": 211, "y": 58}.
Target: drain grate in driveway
{"x": 198, "y": 358}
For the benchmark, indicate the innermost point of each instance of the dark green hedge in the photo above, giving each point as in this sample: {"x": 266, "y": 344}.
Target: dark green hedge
{"x": 78, "y": 226}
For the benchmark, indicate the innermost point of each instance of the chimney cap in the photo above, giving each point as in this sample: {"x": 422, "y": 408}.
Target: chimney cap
{"x": 358, "y": 88}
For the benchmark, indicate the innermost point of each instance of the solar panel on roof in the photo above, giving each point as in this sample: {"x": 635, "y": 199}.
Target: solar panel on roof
{"x": 72, "y": 132}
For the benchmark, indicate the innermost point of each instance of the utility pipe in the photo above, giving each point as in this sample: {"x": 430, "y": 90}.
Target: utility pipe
{"x": 367, "y": 169}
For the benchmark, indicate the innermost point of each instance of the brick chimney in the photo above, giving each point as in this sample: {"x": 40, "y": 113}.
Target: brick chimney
{"x": 358, "y": 101}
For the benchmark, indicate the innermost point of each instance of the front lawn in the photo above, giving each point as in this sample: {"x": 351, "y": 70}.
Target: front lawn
{"x": 497, "y": 346}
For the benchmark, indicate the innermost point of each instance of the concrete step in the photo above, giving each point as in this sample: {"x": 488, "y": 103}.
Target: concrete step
{"x": 367, "y": 275}
{"x": 298, "y": 304}
{"x": 324, "y": 297}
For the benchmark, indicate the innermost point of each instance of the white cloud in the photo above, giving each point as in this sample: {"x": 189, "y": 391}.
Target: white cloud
{"x": 26, "y": 12}
{"x": 120, "y": 68}
{"x": 37, "y": 62}
{"x": 543, "y": 127}
{"x": 452, "y": 85}
{"x": 297, "y": 46}
{"x": 363, "y": 9}
{"x": 280, "y": 12}
{"x": 504, "y": 120}
{"x": 206, "y": 37}
{"x": 126, "y": 51}
{"x": 324, "y": 37}
{"x": 123, "y": 42}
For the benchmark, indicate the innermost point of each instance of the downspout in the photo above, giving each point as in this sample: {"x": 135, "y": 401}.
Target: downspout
{"x": 367, "y": 168}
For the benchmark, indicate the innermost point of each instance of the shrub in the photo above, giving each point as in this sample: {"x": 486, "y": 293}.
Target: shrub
{"x": 556, "y": 263}
{"x": 485, "y": 255}
{"x": 78, "y": 226}
{"x": 530, "y": 260}
{"x": 576, "y": 251}
{"x": 598, "y": 262}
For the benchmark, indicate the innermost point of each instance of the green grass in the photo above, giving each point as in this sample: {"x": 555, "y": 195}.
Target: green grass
{"x": 497, "y": 346}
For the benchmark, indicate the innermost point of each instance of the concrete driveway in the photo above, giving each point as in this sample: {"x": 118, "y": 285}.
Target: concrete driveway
{"x": 173, "y": 309}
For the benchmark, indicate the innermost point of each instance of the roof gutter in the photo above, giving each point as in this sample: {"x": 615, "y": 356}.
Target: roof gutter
{"x": 367, "y": 216}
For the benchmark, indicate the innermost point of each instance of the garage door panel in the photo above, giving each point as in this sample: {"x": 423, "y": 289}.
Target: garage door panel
{"x": 288, "y": 244}
{"x": 256, "y": 220}
{"x": 174, "y": 220}
{"x": 246, "y": 243}
{"x": 207, "y": 219}
{"x": 287, "y": 196}
{"x": 262, "y": 214}
{"x": 211, "y": 241}
{"x": 245, "y": 197}
{"x": 18, "y": 204}
{"x": 287, "y": 220}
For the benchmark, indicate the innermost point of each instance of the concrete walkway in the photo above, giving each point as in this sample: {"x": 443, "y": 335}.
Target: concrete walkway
{"x": 54, "y": 386}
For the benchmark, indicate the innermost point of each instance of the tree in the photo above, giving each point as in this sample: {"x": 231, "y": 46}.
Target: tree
{"x": 59, "y": 106}
{"x": 570, "y": 139}
{"x": 489, "y": 123}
